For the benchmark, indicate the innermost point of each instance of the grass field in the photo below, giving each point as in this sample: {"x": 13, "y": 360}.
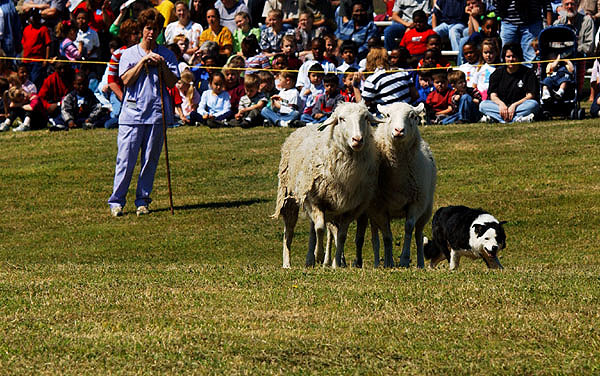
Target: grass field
{"x": 203, "y": 292}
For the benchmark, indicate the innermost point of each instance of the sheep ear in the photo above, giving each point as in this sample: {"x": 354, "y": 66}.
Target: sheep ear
{"x": 332, "y": 120}
{"x": 374, "y": 120}
{"x": 420, "y": 108}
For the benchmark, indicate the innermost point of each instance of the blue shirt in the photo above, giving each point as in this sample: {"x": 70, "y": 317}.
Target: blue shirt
{"x": 215, "y": 105}
{"x": 141, "y": 101}
{"x": 360, "y": 36}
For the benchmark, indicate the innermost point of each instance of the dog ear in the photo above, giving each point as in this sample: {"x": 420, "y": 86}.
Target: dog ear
{"x": 479, "y": 229}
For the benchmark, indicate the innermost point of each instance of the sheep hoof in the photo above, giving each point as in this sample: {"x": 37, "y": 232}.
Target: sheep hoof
{"x": 357, "y": 263}
{"x": 404, "y": 263}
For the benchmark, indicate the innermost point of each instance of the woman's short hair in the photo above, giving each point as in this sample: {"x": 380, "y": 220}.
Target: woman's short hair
{"x": 151, "y": 16}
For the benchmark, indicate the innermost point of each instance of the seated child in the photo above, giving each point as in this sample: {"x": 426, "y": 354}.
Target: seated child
{"x": 253, "y": 55}
{"x": 67, "y": 32}
{"x": 439, "y": 101}
{"x": 326, "y": 102}
{"x": 348, "y": 51}
{"x": 190, "y": 99}
{"x": 434, "y": 44}
{"x": 308, "y": 95}
{"x": 331, "y": 45}
{"x": 270, "y": 38}
{"x": 284, "y": 106}
{"x": 80, "y": 108}
{"x": 244, "y": 29}
{"x": 24, "y": 108}
{"x": 267, "y": 84}
{"x": 233, "y": 84}
{"x": 465, "y": 100}
{"x": 472, "y": 57}
{"x": 489, "y": 53}
{"x": 288, "y": 49}
{"x": 559, "y": 74}
{"x": 415, "y": 38}
{"x": 278, "y": 65}
{"x": 424, "y": 86}
{"x": 348, "y": 88}
{"x": 251, "y": 104}
{"x": 215, "y": 105}
{"x": 23, "y": 75}
{"x": 304, "y": 33}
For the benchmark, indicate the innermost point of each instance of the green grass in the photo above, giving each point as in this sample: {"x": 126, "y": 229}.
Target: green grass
{"x": 202, "y": 292}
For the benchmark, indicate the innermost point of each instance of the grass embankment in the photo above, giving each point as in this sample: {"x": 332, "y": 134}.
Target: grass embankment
{"x": 203, "y": 292}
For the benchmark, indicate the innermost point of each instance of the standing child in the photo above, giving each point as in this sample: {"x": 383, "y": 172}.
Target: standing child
{"x": 465, "y": 100}
{"x": 80, "y": 108}
{"x": 284, "y": 106}
{"x": 251, "y": 104}
{"x": 36, "y": 44}
{"x": 439, "y": 101}
{"x": 215, "y": 105}
{"x": 327, "y": 102}
{"x": 66, "y": 31}
{"x": 490, "y": 54}
{"x": 472, "y": 57}
{"x": 309, "y": 95}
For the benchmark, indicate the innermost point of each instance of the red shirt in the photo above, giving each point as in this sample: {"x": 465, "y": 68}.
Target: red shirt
{"x": 439, "y": 102}
{"x": 53, "y": 89}
{"x": 416, "y": 41}
{"x": 34, "y": 42}
{"x": 235, "y": 95}
{"x": 96, "y": 21}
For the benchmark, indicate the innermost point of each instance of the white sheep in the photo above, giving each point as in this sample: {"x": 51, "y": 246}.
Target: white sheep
{"x": 407, "y": 178}
{"x": 331, "y": 172}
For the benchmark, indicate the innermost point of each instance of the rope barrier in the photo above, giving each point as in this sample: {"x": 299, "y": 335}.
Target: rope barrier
{"x": 55, "y": 60}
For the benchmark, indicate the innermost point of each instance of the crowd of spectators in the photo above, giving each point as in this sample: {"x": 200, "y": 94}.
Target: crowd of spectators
{"x": 288, "y": 62}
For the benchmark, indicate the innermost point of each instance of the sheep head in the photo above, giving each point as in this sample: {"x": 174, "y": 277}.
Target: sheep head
{"x": 350, "y": 123}
{"x": 402, "y": 120}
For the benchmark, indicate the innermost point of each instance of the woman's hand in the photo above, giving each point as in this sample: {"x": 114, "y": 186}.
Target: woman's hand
{"x": 503, "y": 111}
{"x": 511, "y": 112}
{"x": 153, "y": 59}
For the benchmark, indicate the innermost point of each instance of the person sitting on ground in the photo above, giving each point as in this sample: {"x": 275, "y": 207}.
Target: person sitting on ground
{"x": 465, "y": 100}
{"x": 424, "y": 86}
{"x": 233, "y": 84}
{"x": 24, "y": 82}
{"x": 472, "y": 62}
{"x": 80, "y": 108}
{"x": 24, "y": 108}
{"x": 513, "y": 90}
{"x": 414, "y": 39}
{"x": 215, "y": 104}
{"x": 559, "y": 74}
{"x": 309, "y": 95}
{"x": 284, "y": 106}
{"x": 251, "y": 104}
{"x": 490, "y": 54}
{"x": 53, "y": 90}
{"x": 190, "y": 99}
{"x": 267, "y": 85}
{"x": 439, "y": 101}
{"x": 326, "y": 102}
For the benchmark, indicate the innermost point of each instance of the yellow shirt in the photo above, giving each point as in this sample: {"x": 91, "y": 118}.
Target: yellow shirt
{"x": 223, "y": 39}
{"x": 166, "y": 9}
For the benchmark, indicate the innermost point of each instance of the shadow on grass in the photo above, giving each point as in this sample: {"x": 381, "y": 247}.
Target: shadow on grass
{"x": 216, "y": 205}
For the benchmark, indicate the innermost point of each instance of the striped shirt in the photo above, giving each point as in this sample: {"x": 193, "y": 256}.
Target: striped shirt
{"x": 113, "y": 67}
{"x": 385, "y": 88}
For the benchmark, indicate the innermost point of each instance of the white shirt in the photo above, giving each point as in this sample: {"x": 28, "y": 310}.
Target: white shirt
{"x": 470, "y": 71}
{"x": 191, "y": 31}
{"x": 90, "y": 40}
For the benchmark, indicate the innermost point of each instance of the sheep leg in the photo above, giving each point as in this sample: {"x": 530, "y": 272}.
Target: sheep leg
{"x": 340, "y": 239}
{"x": 329, "y": 243}
{"x": 359, "y": 239}
{"x": 388, "y": 244}
{"x": 319, "y": 225}
{"x": 409, "y": 227}
{"x": 375, "y": 244}
{"x": 312, "y": 244}
{"x": 290, "y": 217}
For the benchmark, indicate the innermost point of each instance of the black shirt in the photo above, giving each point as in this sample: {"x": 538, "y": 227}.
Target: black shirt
{"x": 511, "y": 88}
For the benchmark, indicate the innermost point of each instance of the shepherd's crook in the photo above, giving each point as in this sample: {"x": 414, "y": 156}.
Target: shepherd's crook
{"x": 164, "y": 121}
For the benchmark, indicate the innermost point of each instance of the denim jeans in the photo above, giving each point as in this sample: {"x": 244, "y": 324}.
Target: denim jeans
{"x": 492, "y": 110}
{"x": 391, "y": 33}
{"x": 275, "y": 117}
{"x": 523, "y": 34}
{"x": 468, "y": 112}
{"x": 453, "y": 32}
{"x": 309, "y": 119}
{"x": 595, "y": 108}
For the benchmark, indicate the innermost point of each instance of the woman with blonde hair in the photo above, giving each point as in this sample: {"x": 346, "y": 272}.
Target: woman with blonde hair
{"x": 383, "y": 86}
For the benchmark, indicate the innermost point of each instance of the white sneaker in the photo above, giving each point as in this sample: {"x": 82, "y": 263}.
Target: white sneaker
{"x": 22, "y": 128}
{"x": 545, "y": 95}
{"x": 524, "y": 119}
{"x": 142, "y": 210}
{"x": 116, "y": 211}
{"x": 284, "y": 123}
{"x": 486, "y": 119}
{"x": 4, "y": 127}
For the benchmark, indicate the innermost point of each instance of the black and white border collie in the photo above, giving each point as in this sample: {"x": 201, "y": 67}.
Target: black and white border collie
{"x": 461, "y": 231}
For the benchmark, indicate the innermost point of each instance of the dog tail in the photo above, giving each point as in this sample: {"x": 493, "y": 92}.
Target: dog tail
{"x": 430, "y": 249}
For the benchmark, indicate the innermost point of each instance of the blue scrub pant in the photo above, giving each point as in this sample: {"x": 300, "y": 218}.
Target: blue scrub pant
{"x": 131, "y": 140}
{"x": 491, "y": 109}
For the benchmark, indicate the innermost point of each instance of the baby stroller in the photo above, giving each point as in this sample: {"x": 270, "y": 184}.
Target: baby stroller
{"x": 553, "y": 41}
